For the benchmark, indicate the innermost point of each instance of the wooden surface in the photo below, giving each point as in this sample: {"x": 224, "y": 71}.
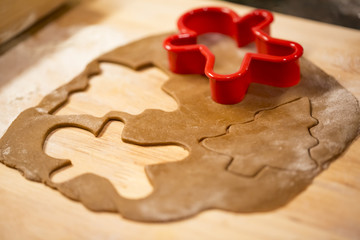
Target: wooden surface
{"x": 328, "y": 209}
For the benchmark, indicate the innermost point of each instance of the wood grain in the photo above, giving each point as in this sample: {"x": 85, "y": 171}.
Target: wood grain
{"x": 328, "y": 209}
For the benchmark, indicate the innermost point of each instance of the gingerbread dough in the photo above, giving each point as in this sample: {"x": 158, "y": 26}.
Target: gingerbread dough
{"x": 253, "y": 156}
{"x": 275, "y": 131}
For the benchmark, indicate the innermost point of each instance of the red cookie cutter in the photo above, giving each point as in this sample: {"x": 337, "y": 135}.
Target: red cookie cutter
{"x": 275, "y": 64}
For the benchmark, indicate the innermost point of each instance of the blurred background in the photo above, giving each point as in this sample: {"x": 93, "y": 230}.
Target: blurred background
{"x": 339, "y": 12}
{"x": 21, "y": 18}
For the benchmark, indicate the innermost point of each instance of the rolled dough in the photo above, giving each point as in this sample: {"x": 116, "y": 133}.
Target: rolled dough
{"x": 253, "y": 156}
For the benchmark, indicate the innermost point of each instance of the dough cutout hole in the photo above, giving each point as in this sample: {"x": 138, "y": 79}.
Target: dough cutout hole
{"x": 108, "y": 156}
{"x": 119, "y": 88}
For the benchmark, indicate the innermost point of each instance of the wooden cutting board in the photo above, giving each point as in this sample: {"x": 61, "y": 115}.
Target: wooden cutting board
{"x": 328, "y": 209}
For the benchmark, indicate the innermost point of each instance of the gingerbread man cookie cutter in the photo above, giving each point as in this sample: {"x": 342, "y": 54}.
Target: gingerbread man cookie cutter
{"x": 276, "y": 62}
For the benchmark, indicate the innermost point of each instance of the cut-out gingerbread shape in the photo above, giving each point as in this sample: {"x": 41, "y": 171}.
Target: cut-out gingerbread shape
{"x": 277, "y": 138}
{"x": 128, "y": 175}
{"x": 120, "y": 87}
{"x": 202, "y": 180}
